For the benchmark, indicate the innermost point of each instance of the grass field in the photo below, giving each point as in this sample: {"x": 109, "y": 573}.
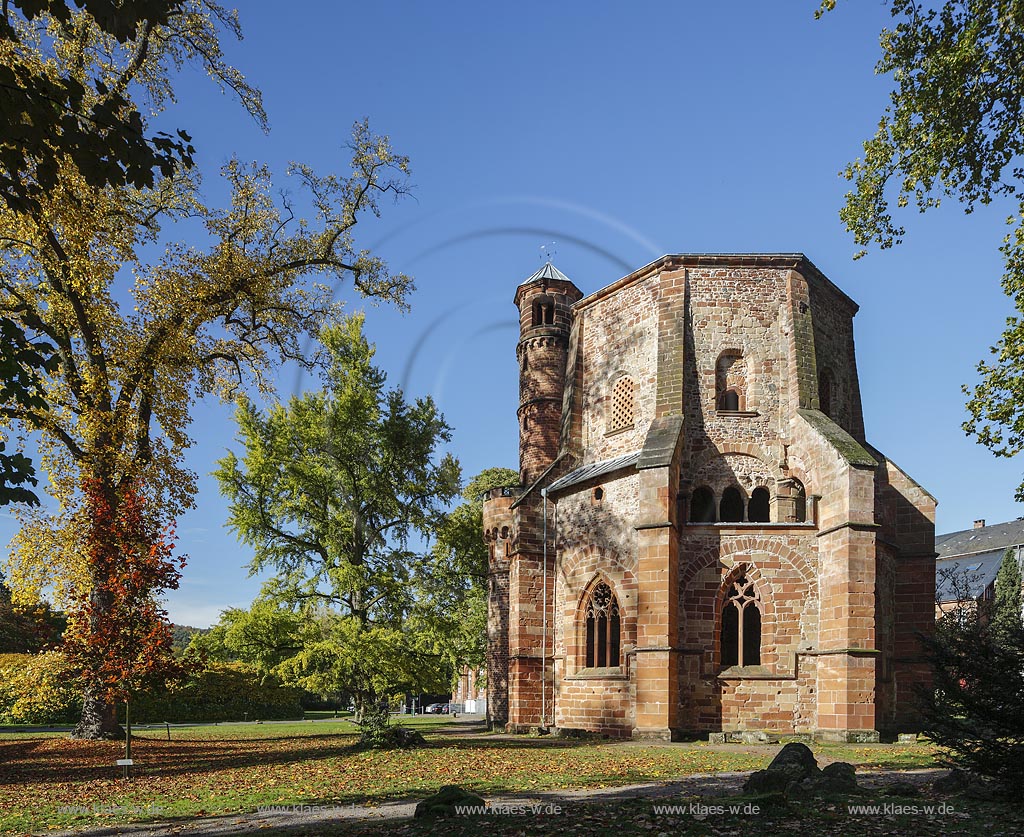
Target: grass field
{"x": 49, "y": 780}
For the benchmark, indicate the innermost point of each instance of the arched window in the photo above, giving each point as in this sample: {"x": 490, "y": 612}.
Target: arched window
{"x": 731, "y": 381}
{"x": 603, "y": 627}
{"x": 702, "y": 506}
{"x": 741, "y": 624}
{"x": 799, "y": 502}
{"x": 731, "y": 508}
{"x": 622, "y": 404}
{"x": 825, "y": 392}
{"x": 543, "y": 310}
{"x": 759, "y": 507}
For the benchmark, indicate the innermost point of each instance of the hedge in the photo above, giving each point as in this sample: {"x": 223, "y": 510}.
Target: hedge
{"x": 37, "y": 689}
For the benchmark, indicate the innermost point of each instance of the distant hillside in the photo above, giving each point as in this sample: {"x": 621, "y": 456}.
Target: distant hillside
{"x": 182, "y": 636}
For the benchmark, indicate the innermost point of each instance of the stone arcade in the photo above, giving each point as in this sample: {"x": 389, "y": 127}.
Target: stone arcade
{"x": 702, "y": 539}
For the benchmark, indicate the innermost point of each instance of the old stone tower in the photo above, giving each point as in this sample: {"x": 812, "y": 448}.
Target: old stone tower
{"x": 702, "y": 540}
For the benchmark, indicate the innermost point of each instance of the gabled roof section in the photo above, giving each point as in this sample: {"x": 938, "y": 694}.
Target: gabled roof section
{"x": 967, "y": 574}
{"x": 971, "y": 541}
{"x": 594, "y": 470}
{"x": 549, "y": 272}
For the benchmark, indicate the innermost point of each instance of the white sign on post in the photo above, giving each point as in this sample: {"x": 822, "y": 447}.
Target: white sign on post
{"x": 125, "y": 762}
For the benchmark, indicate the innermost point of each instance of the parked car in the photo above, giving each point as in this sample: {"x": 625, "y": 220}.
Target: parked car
{"x": 437, "y": 709}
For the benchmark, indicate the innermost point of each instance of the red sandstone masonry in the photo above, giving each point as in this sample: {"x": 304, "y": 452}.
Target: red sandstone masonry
{"x": 840, "y": 595}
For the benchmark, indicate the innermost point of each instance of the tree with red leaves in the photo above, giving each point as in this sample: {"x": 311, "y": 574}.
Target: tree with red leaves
{"x": 118, "y": 638}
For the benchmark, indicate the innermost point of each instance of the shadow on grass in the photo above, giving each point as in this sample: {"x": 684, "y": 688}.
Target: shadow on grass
{"x": 52, "y": 761}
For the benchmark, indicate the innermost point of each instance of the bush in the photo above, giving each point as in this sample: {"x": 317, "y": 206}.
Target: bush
{"x": 378, "y": 733}
{"x": 221, "y": 692}
{"x": 37, "y": 689}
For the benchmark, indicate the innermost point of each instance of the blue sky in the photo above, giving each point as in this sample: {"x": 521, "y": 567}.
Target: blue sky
{"x": 620, "y": 132}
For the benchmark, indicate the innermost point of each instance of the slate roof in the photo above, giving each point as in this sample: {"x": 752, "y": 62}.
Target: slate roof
{"x": 976, "y": 571}
{"x": 594, "y": 469}
{"x": 972, "y": 541}
{"x": 548, "y": 271}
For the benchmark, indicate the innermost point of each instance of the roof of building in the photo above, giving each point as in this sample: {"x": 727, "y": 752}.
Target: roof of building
{"x": 970, "y": 574}
{"x": 595, "y": 469}
{"x": 986, "y": 538}
{"x": 549, "y": 272}
{"x": 792, "y": 261}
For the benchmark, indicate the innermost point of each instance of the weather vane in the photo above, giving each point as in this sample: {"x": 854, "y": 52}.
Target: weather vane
{"x": 547, "y": 251}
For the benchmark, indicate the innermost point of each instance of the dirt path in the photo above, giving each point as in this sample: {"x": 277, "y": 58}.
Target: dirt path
{"x": 299, "y": 818}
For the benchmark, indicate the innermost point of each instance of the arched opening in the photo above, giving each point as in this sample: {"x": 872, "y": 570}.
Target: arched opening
{"x": 759, "y": 508}
{"x": 602, "y": 634}
{"x": 740, "y": 637}
{"x": 731, "y": 381}
{"x": 730, "y": 636}
{"x": 702, "y": 506}
{"x": 622, "y": 404}
{"x": 731, "y": 508}
{"x": 543, "y": 310}
{"x": 751, "y": 636}
{"x": 730, "y": 401}
{"x": 799, "y": 502}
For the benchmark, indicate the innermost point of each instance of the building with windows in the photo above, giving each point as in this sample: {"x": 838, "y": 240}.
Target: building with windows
{"x": 968, "y": 561}
{"x": 702, "y": 539}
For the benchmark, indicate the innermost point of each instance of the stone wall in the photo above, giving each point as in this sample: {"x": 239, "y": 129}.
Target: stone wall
{"x": 619, "y": 338}
{"x": 839, "y": 596}
{"x": 779, "y": 693}
{"x": 596, "y": 542}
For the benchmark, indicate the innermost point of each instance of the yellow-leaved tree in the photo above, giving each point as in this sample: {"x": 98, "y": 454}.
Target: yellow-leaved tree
{"x": 138, "y": 339}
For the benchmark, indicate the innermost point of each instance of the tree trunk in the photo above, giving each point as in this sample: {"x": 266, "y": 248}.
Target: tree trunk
{"x": 99, "y": 717}
{"x": 98, "y": 721}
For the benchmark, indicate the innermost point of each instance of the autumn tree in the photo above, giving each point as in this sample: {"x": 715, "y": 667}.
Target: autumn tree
{"x": 44, "y": 120}
{"x": 137, "y": 341}
{"x": 52, "y": 115}
{"x": 332, "y": 494}
{"x": 22, "y": 361}
{"x": 954, "y": 129}
{"x": 28, "y": 629}
{"x": 118, "y": 641}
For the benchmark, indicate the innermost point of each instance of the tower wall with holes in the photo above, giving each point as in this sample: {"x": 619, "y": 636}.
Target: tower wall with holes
{"x": 726, "y": 552}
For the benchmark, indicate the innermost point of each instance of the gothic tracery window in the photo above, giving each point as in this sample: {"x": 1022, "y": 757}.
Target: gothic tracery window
{"x": 741, "y": 624}
{"x": 603, "y": 628}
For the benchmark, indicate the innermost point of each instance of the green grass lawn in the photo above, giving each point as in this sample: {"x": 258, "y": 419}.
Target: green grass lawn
{"x": 49, "y": 781}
